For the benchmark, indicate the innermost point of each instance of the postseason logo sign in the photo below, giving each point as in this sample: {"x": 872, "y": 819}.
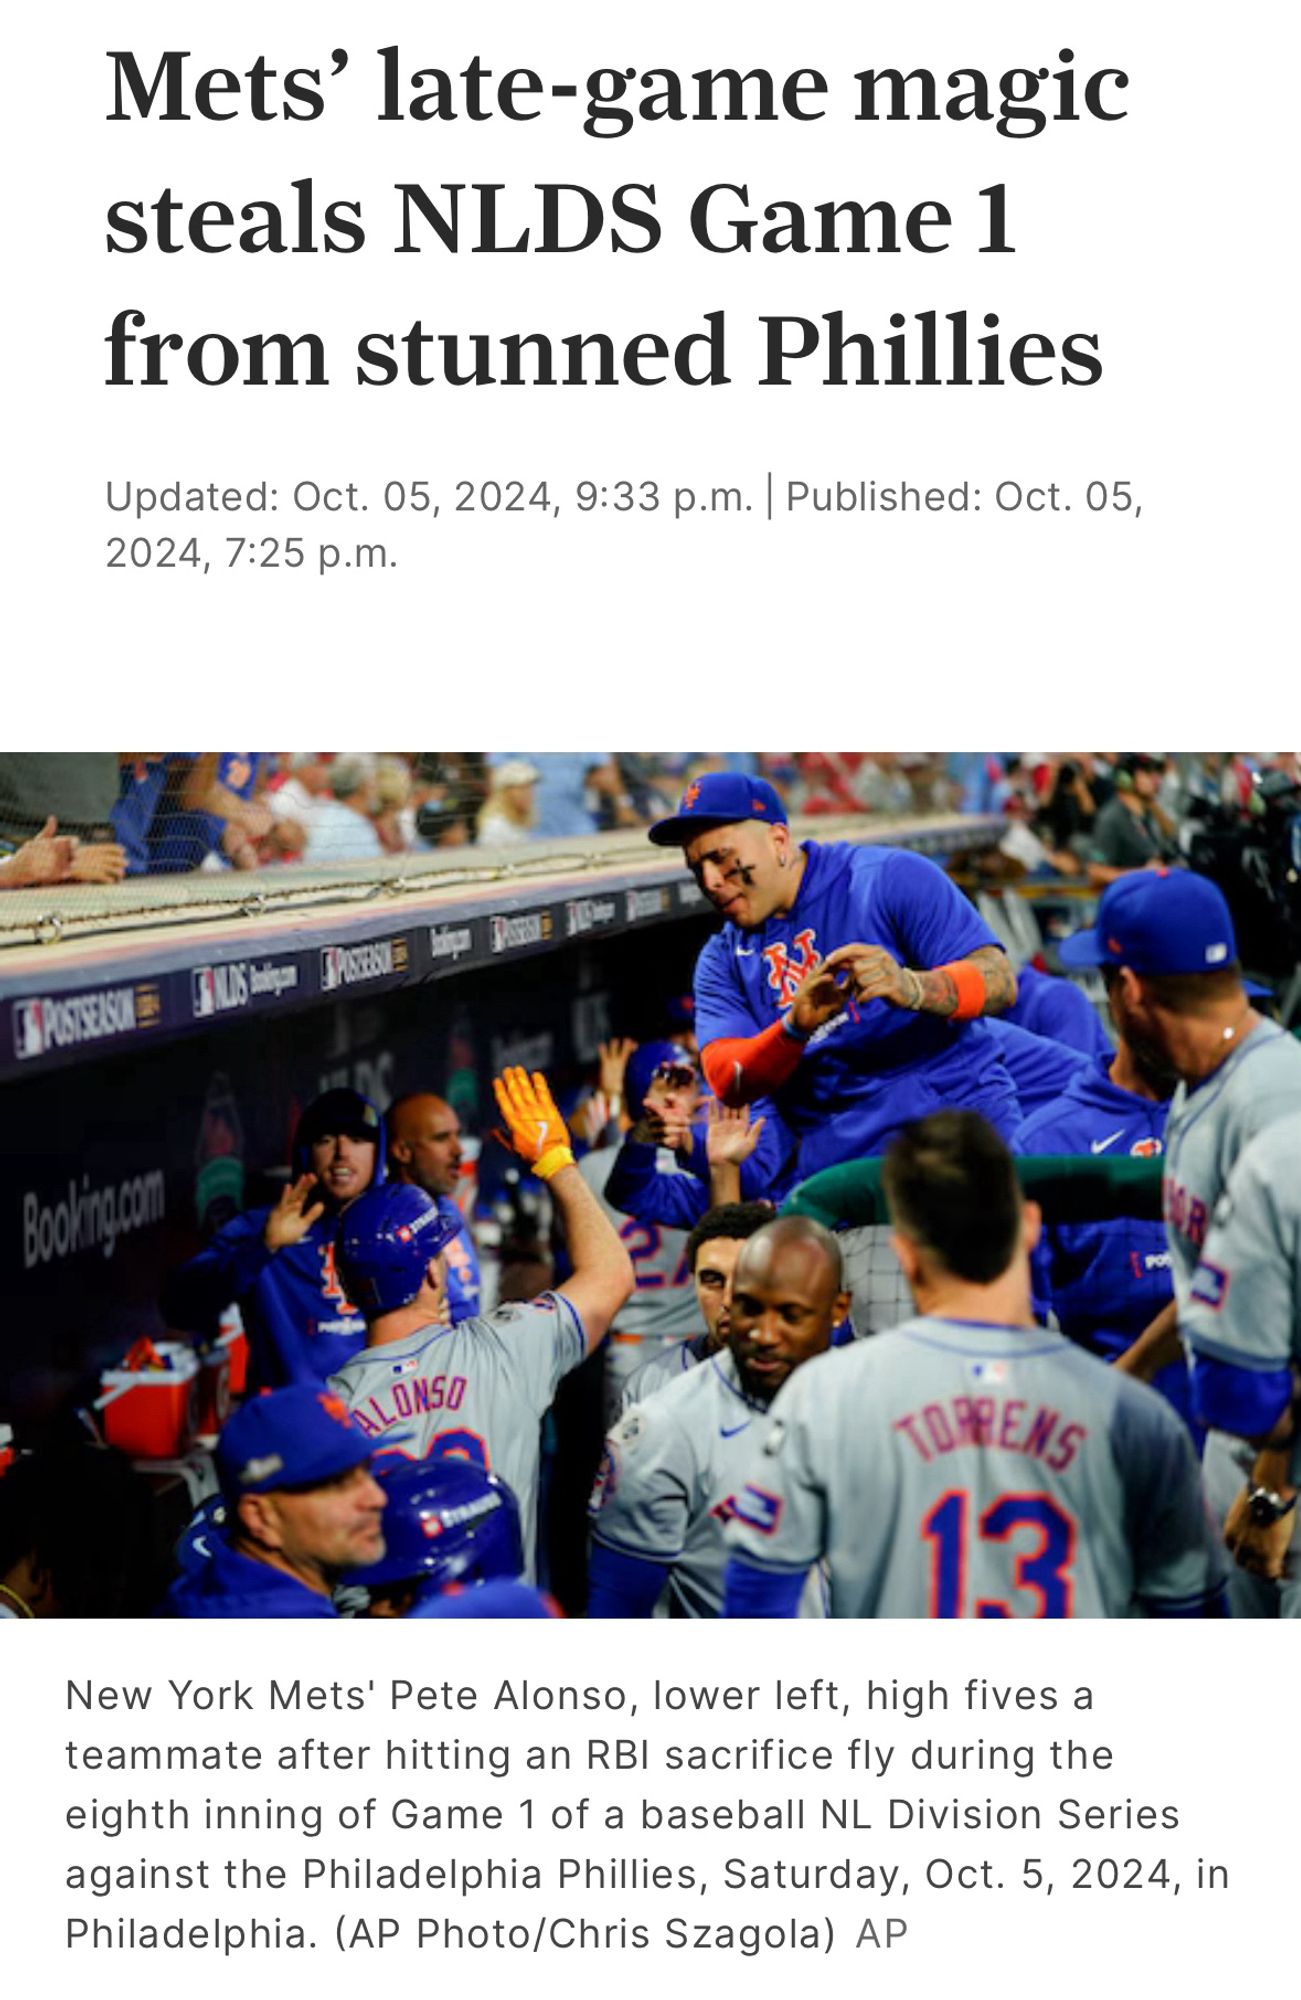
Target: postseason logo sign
{"x": 589, "y": 913}
{"x": 64, "y": 1022}
{"x": 360, "y": 964}
{"x": 518, "y": 933}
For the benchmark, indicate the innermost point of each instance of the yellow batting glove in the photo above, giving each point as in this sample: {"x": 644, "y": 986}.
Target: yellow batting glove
{"x": 537, "y": 1132}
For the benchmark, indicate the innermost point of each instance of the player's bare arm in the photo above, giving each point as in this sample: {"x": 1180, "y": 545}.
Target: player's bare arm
{"x": 603, "y": 1277}
{"x": 1262, "y": 1547}
{"x": 868, "y": 972}
{"x": 293, "y": 1215}
{"x": 1156, "y": 1347}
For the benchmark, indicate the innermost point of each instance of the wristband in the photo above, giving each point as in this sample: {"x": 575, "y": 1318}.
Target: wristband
{"x": 792, "y": 1030}
{"x": 552, "y": 1161}
{"x": 969, "y": 984}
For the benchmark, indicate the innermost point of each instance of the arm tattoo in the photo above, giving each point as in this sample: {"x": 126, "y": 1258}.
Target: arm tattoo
{"x": 939, "y": 995}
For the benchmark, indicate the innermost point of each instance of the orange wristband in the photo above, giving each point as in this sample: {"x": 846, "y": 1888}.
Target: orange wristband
{"x": 969, "y": 981}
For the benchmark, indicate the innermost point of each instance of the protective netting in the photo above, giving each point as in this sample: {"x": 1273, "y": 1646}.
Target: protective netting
{"x": 850, "y": 1200}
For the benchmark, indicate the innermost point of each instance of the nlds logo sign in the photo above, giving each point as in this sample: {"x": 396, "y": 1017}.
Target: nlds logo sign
{"x": 218, "y": 989}
{"x": 588, "y": 913}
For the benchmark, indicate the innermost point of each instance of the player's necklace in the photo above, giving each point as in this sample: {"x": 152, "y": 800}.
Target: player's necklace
{"x": 1230, "y": 1033}
{"x": 22, "y": 1609}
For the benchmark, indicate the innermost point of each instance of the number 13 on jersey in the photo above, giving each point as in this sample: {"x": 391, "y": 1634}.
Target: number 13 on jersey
{"x": 1025, "y": 1540}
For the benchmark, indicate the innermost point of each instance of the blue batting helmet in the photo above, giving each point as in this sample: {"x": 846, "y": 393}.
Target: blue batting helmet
{"x": 387, "y": 1239}
{"x": 645, "y": 1064}
{"x": 446, "y": 1522}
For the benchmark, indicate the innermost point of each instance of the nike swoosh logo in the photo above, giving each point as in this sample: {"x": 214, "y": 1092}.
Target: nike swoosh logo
{"x": 744, "y": 954}
{"x": 735, "y": 1430}
{"x": 1101, "y": 1145}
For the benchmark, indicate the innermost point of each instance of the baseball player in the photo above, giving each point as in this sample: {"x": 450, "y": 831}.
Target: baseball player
{"x": 424, "y": 1136}
{"x": 847, "y": 982}
{"x": 664, "y": 1169}
{"x": 1166, "y": 942}
{"x": 661, "y": 1310}
{"x": 452, "y": 1546}
{"x": 970, "y": 1464}
{"x": 1058, "y": 1009}
{"x": 1242, "y": 1325}
{"x": 478, "y": 1390}
{"x": 301, "y": 1511}
{"x": 712, "y": 1250}
{"x": 674, "y": 1469}
{"x": 1105, "y": 1281}
{"x": 277, "y": 1263}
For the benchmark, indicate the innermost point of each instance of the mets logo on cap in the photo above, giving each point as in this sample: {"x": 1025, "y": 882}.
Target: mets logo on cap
{"x": 690, "y": 796}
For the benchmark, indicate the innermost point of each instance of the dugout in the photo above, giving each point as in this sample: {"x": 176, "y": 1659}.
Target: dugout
{"x": 158, "y": 1040}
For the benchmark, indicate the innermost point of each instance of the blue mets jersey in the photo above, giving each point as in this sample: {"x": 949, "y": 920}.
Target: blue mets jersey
{"x": 875, "y": 1066}
{"x": 300, "y": 1323}
{"x": 461, "y": 1256}
{"x": 1059, "y": 1009}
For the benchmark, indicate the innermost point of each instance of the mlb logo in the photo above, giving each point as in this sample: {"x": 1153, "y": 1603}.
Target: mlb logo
{"x": 29, "y": 1028}
{"x": 989, "y": 1371}
{"x": 203, "y": 992}
{"x": 407, "y": 1367}
{"x": 330, "y": 977}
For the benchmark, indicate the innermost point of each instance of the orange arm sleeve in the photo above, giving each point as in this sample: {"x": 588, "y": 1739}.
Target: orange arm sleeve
{"x": 739, "y": 1069}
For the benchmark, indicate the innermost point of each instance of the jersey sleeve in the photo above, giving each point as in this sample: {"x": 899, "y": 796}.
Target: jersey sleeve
{"x": 777, "y": 1522}
{"x": 636, "y": 1185}
{"x": 932, "y": 919}
{"x": 1179, "y": 1564}
{"x": 1243, "y": 1319}
{"x": 225, "y": 1271}
{"x": 722, "y": 1008}
{"x": 642, "y": 1500}
{"x": 541, "y": 1342}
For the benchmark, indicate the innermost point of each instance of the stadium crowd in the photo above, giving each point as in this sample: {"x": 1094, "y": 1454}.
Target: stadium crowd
{"x": 96, "y": 818}
{"x": 1087, "y": 1414}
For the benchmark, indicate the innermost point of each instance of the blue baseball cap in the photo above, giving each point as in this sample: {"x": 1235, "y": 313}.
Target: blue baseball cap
{"x": 388, "y": 1238}
{"x": 719, "y": 799}
{"x": 644, "y": 1065}
{"x": 1158, "y": 921}
{"x": 298, "y": 1436}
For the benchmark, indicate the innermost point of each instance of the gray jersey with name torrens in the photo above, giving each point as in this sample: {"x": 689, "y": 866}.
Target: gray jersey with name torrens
{"x": 1245, "y": 1306}
{"x": 1207, "y": 1129}
{"x": 954, "y": 1470}
{"x": 672, "y": 1467}
{"x": 477, "y": 1390}
{"x": 663, "y": 1304}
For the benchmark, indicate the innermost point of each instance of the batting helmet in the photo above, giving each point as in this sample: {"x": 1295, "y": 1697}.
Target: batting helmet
{"x": 446, "y": 1522}
{"x": 387, "y": 1239}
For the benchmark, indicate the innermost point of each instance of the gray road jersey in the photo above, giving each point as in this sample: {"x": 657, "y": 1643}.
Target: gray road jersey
{"x": 948, "y": 1470}
{"x": 663, "y": 1306}
{"x": 1207, "y": 1129}
{"x": 1245, "y": 1303}
{"x": 477, "y": 1390}
{"x": 677, "y": 1358}
{"x": 672, "y": 1468}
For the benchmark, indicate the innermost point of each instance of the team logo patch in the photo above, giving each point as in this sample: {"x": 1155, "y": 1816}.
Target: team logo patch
{"x": 757, "y": 1508}
{"x": 690, "y": 796}
{"x": 1211, "y": 1286}
{"x": 787, "y": 966}
{"x": 1146, "y": 1149}
{"x": 775, "y": 1439}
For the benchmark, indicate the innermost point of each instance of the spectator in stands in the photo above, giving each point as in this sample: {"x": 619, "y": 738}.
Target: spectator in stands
{"x": 1066, "y": 816}
{"x": 209, "y": 814}
{"x": 302, "y": 1511}
{"x": 1132, "y": 831}
{"x": 75, "y": 1536}
{"x": 296, "y": 797}
{"x": 451, "y": 788}
{"x": 343, "y": 829}
{"x": 509, "y": 812}
{"x": 569, "y": 785}
{"x": 394, "y": 814}
{"x": 46, "y": 858}
{"x": 77, "y": 791}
